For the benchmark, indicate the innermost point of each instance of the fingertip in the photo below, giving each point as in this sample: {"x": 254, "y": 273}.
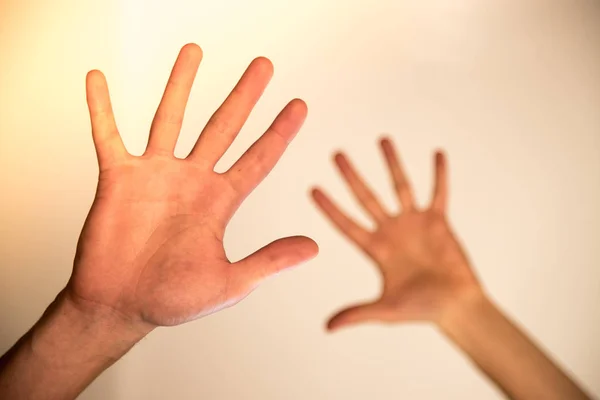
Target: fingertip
{"x": 94, "y": 76}
{"x": 329, "y": 327}
{"x": 440, "y": 157}
{"x": 264, "y": 64}
{"x": 298, "y": 107}
{"x": 312, "y": 247}
{"x": 385, "y": 140}
{"x": 319, "y": 197}
{"x": 192, "y": 49}
{"x": 315, "y": 192}
{"x": 96, "y": 90}
{"x": 335, "y": 324}
{"x": 304, "y": 249}
{"x": 339, "y": 157}
{"x": 91, "y": 73}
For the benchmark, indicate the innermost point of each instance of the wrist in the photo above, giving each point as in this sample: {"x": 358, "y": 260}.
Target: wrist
{"x": 90, "y": 334}
{"x": 464, "y": 309}
{"x": 65, "y": 351}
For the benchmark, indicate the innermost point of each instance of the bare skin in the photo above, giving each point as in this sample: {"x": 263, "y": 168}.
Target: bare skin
{"x": 151, "y": 251}
{"x": 428, "y": 277}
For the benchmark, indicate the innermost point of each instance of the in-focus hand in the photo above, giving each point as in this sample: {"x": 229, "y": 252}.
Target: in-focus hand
{"x": 423, "y": 266}
{"x": 151, "y": 250}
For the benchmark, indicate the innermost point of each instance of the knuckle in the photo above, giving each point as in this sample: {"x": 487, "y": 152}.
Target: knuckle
{"x": 170, "y": 118}
{"x": 219, "y": 125}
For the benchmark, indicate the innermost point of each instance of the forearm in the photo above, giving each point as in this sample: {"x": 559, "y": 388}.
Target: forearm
{"x": 504, "y": 353}
{"x": 64, "y": 352}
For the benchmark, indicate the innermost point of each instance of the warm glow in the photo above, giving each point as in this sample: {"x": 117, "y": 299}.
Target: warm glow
{"x": 510, "y": 89}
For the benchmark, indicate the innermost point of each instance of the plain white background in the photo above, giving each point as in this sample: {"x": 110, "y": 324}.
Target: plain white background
{"x": 510, "y": 89}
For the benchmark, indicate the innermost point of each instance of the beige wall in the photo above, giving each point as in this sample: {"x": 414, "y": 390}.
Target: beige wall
{"x": 510, "y": 88}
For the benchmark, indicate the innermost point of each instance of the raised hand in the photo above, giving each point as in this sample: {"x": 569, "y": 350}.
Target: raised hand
{"x": 423, "y": 266}
{"x": 151, "y": 249}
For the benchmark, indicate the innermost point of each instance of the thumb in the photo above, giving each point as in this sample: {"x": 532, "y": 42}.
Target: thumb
{"x": 271, "y": 259}
{"x": 356, "y": 314}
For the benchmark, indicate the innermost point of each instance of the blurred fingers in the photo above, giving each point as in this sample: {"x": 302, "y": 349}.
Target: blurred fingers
{"x": 401, "y": 185}
{"x": 340, "y": 220}
{"x": 361, "y": 313}
{"x": 363, "y": 194}
{"x": 439, "y": 200}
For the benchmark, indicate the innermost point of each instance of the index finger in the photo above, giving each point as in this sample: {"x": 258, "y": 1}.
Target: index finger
{"x": 256, "y": 163}
{"x": 107, "y": 141}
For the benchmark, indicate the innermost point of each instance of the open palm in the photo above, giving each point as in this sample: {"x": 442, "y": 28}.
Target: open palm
{"x": 151, "y": 248}
{"x": 422, "y": 264}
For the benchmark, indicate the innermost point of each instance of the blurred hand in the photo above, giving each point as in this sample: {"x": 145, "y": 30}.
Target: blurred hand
{"x": 423, "y": 266}
{"x": 151, "y": 250}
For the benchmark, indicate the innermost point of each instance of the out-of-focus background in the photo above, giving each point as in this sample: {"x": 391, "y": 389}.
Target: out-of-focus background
{"x": 511, "y": 90}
